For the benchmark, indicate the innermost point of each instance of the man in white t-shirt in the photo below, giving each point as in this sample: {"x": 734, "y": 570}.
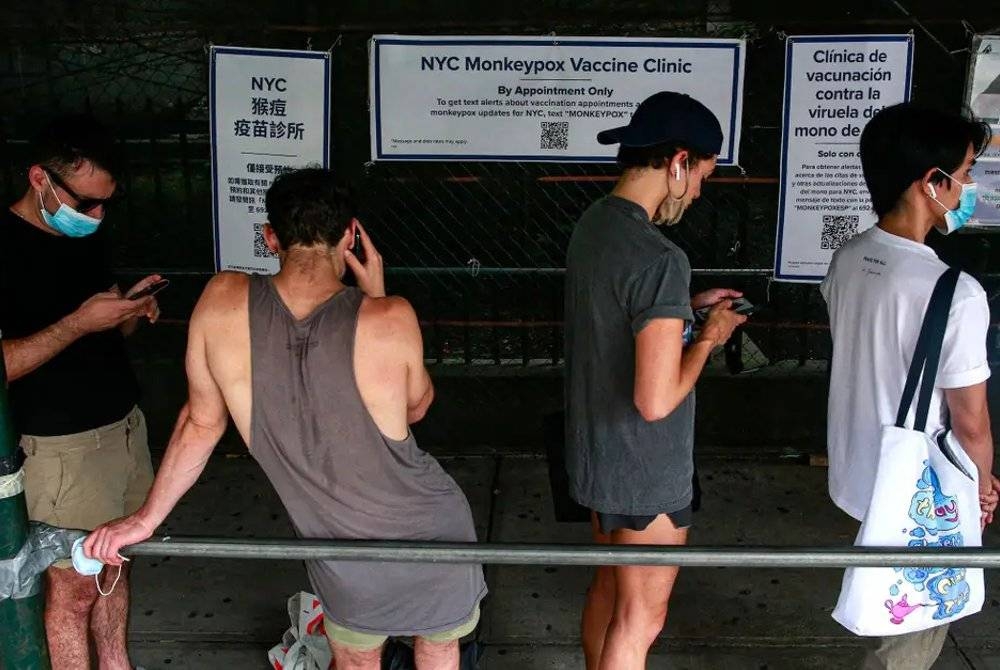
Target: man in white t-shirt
{"x": 916, "y": 163}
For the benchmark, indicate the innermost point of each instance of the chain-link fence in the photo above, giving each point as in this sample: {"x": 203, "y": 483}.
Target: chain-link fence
{"x": 477, "y": 247}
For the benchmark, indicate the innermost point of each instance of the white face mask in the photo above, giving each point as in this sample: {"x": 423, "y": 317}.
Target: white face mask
{"x": 87, "y": 566}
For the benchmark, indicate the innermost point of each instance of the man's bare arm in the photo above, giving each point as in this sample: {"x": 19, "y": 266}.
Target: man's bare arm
{"x": 104, "y": 311}
{"x": 666, "y": 372}
{"x": 416, "y": 411}
{"x": 419, "y": 388}
{"x": 970, "y": 422}
{"x": 24, "y": 355}
{"x": 199, "y": 427}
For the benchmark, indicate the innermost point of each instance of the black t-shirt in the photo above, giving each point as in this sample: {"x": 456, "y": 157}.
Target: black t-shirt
{"x": 43, "y": 278}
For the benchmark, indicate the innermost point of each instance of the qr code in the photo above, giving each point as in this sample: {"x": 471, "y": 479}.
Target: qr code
{"x": 555, "y": 134}
{"x": 260, "y": 249}
{"x": 837, "y": 230}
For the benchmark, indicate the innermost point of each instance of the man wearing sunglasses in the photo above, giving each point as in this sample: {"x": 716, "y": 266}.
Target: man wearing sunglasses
{"x": 73, "y": 394}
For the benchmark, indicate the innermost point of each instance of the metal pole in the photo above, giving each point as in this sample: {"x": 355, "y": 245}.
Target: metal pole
{"x": 22, "y": 645}
{"x": 457, "y": 270}
{"x": 568, "y": 554}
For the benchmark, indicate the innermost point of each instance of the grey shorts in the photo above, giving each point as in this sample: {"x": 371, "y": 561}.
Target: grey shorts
{"x": 682, "y": 518}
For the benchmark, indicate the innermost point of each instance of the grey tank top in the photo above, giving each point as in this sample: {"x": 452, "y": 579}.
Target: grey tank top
{"x": 339, "y": 477}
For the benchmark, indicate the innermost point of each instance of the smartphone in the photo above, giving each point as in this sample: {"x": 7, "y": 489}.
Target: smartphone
{"x": 741, "y": 306}
{"x": 744, "y": 307}
{"x": 152, "y": 289}
{"x": 358, "y": 249}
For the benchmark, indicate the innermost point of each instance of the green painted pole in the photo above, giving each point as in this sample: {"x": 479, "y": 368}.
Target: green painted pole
{"x": 22, "y": 625}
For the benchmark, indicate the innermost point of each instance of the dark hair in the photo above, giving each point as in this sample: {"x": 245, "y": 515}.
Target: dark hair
{"x": 655, "y": 156}
{"x": 902, "y": 142}
{"x": 66, "y": 142}
{"x": 309, "y": 206}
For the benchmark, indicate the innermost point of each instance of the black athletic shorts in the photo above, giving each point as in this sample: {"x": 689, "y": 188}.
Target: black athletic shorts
{"x": 608, "y": 522}
{"x": 682, "y": 518}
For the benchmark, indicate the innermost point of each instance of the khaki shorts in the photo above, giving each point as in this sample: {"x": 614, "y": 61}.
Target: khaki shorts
{"x": 343, "y": 637}
{"x": 86, "y": 479}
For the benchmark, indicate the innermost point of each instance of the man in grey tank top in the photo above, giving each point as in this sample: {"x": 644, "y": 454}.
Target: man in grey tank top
{"x": 323, "y": 381}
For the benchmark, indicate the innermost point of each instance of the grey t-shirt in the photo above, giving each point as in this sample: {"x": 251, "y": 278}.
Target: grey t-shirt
{"x": 621, "y": 272}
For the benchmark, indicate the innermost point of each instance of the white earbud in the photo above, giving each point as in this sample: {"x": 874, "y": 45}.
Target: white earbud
{"x": 930, "y": 187}
{"x": 677, "y": 172}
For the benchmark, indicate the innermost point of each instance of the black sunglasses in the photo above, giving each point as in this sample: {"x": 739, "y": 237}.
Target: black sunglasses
{"x": 83, "y": 205}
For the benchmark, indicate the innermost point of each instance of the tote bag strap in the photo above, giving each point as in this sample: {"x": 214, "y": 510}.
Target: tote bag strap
{"x": 927, "y": 353}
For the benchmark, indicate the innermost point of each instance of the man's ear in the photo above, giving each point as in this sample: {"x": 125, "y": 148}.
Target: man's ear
{"x": 678, "y": 164}
{"x": 37, "y": 178}
{"x": 933, "y": 182}
{"x": 271, "y": 239}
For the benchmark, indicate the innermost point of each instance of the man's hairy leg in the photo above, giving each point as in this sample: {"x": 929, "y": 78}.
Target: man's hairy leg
{"x": 348, "y": 658}
{"x": 435, "y": 655}
{"x": 69, "y": 601}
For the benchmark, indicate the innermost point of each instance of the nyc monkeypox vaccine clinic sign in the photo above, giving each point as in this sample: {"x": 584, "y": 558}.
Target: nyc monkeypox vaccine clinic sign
{"x": 538, "y": 98}
{"x": 833, "y": 86}
{"x": 270, "y": 113}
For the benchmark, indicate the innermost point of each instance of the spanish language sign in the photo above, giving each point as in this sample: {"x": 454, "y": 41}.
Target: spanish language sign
{"x": 983, "y": 98}
{"x": 538, "y": 98}
{"x": 833, "y": 86}
{"x": 270, "y": 113}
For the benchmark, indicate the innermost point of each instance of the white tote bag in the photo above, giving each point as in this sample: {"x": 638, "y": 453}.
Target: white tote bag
{"x": 926, "y": 495}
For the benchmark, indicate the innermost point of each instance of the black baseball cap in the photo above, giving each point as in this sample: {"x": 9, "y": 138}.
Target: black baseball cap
{"x": 669, "y": 116}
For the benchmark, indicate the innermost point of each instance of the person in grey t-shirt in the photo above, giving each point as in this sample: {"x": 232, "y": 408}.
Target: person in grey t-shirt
{"x": 629, "y": 376}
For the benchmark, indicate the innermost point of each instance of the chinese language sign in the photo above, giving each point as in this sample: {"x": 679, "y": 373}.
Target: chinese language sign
{"x": 270, "y": 113}
{"x": 538, "y": 98}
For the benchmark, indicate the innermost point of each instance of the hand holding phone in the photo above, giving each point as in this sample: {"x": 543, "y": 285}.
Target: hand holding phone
{"x": 744, "y": 307}
{"x": 365, "y": 263}
{"x": 152, "y": 289}
{"x": 741, "y": 306}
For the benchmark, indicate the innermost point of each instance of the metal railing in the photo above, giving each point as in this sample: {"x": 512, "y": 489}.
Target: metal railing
{"x": 567, "y": 554}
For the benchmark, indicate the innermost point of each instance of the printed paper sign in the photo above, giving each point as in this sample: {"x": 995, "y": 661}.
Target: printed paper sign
{"x": 983, "y": 98}
{"x": 270, "y": 113}
{"x": 538, "y": 98}
{"x": 833, "y": 86}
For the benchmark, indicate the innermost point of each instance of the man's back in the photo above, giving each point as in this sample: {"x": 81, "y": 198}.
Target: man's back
{"x": 220, "y": 328}
{"x": 877, "y": 291}
{"x": 319, "y": 392}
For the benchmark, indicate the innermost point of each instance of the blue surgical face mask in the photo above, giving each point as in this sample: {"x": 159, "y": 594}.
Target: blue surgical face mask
{"x": 955, "y": 219}
{"x": 67, "y": 220}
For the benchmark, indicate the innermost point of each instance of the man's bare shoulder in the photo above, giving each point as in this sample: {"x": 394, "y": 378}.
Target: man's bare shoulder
{"x": 390, "y": 317}
{"x": 225, "y": 294}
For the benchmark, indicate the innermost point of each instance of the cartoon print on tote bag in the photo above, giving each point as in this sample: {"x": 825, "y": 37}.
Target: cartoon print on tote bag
{"x": 937, "y": 518}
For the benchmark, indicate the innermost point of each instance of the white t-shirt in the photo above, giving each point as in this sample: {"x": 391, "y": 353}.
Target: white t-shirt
{"x": 877, "y": 291}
